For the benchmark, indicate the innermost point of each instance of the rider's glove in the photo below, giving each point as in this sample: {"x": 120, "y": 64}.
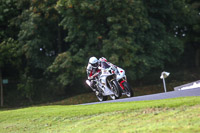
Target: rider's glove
{"x": 95, "y": 75}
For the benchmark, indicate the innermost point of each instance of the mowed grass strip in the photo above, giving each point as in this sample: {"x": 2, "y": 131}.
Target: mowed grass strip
{"x": 169, "y": 115}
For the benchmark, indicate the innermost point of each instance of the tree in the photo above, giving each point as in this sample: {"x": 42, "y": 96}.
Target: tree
{"x": 8, "y": 11}
{"x": 9, "y": 55}
{"x": 192, "y": 40}
{"x": 41, "y": 41}
{"x": 39, "y": 33}
{"x": 136, "y": 35}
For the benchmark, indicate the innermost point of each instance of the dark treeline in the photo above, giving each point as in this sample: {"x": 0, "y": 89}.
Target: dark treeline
{"x": 45, "y": 44}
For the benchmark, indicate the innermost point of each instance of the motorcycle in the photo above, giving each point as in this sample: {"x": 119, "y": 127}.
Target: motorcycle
{"x": 122, "y": 80}
{"x": 106, "y": 83}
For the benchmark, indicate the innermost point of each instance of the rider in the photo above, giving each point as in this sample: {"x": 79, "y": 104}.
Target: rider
{"x": 92, "y": 71}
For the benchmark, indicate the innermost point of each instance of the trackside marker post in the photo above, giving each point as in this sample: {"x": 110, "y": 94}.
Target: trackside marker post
{"x": 163, "y": 76}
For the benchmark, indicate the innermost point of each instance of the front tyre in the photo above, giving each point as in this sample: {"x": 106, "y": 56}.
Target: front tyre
{"x": 113, "y": 97}
{"x": 116, "y": 89}
{"x": 100, "y": 96}
{"x": 128, "y": 90}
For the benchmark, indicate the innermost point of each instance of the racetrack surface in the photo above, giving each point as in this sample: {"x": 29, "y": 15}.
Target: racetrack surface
{"x": 171, "y": 94}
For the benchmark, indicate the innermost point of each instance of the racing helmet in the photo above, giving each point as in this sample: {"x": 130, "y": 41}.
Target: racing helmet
{"x": 93, "y": 61}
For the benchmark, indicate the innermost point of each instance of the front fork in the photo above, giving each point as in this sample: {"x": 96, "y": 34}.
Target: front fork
{"x": 121, "y": 81}
{"x": 121, "y": 84}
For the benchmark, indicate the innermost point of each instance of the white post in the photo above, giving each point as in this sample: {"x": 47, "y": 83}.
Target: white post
{"x": 164, "y": 85}
{"x": 163, "y": 76}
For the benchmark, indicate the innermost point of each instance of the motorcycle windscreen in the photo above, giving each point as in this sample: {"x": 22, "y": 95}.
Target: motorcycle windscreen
{"x": 105, "y": 65}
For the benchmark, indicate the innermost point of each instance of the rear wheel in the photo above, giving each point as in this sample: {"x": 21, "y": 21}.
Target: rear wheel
{"x": 116, "y": 90}
{"x": 128, "y": 90}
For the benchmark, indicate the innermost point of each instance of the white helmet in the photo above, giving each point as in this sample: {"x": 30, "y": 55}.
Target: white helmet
{"x": 93, "y": 61}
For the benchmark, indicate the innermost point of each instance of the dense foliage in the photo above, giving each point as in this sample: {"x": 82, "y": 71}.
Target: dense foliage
{"x": 51, "y": 41}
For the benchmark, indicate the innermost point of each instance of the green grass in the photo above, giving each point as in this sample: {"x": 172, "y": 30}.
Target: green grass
{"x": 170, "y": 115}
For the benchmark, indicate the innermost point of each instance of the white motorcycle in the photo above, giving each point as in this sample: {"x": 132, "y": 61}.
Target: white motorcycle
{"x": 122, "y": 80}
{"x": 106, "y": 83}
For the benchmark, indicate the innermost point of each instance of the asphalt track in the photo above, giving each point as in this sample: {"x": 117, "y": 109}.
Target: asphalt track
{"x": 171, "y": 94}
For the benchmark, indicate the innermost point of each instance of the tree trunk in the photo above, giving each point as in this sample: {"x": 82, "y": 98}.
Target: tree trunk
{"x": 1, "y": 85}
{"x": 197, "y": 58}
{"x": 59, "y": 39}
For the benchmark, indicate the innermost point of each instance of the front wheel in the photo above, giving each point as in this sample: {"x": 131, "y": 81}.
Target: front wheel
{"x": 113, "y": 97}
{"x": 100, "y": 96}
{"x": 116, "y": 89}
{"x": 128, "y": 90}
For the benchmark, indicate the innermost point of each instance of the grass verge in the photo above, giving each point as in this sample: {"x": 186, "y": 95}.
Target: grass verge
{"x": 169, "y": 115}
